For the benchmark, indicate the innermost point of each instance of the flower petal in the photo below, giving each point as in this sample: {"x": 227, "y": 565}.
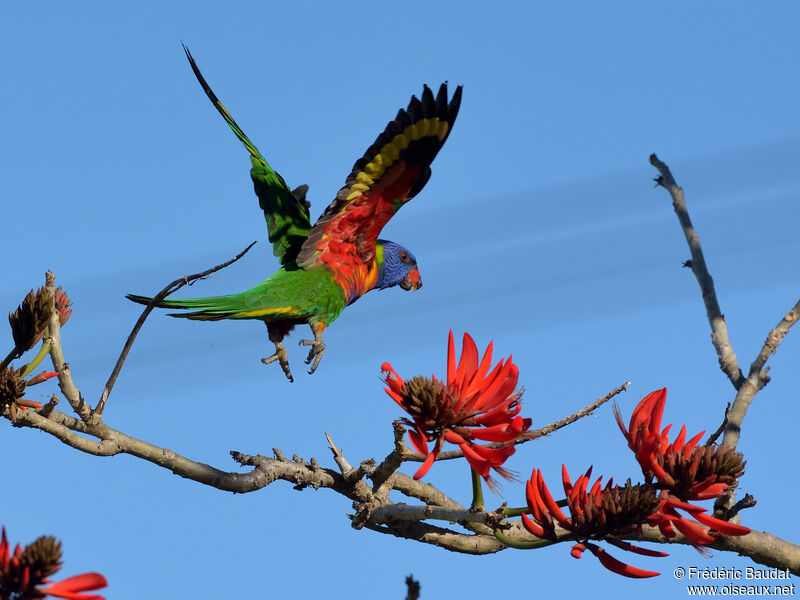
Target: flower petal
{"x": 476, "y": 381}
{"x": 635, "y": 549}
{"x": 617, "y": 566}
{"x": 693, "y": 532}
{"x": 479, "y": 464}
{"x": 451, "y": 359}
{"x": 468, "y": 363}
{"x": 531, "y": 526}
{"x": 71, "y": 587}
{"x": 429, "y": 460}
{"x": 721, "y": 526}
{"x": 418, "y": 441}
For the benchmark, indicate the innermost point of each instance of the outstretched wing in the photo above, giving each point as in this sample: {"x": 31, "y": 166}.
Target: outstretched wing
{"x": 394, "y": 169}
{"x": 286, "y": 212}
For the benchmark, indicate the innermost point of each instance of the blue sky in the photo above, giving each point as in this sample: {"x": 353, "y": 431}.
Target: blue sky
{"x": 540, "y": 229}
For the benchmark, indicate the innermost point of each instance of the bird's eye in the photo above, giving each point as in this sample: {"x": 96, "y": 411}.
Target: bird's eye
{"x": 404, "y": 256}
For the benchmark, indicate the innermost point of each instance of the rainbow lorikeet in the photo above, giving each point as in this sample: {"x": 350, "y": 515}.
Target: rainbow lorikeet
{"x": 331, "y": 264}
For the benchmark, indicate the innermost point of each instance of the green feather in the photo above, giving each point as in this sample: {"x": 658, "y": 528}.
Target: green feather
{"x": 306, "y": 296}
{"x": 286, "y": 212}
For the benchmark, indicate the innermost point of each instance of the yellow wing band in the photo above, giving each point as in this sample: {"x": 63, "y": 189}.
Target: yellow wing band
{"x": 375, "y": 169}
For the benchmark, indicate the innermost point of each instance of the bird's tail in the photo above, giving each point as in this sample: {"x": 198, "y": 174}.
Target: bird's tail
{"x": 254, "y": 153}
{"x": 214, "y": 308}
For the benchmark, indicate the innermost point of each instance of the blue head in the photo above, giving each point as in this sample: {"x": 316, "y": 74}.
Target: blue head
{"x": 397, "y": 266}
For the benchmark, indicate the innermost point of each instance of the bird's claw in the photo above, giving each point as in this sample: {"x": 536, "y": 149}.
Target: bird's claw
{"x": 283, "y": 359}
{"x": 315, "y": 354}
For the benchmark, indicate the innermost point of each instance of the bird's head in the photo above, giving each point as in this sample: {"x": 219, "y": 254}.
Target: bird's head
{"x": 396, "y": 266}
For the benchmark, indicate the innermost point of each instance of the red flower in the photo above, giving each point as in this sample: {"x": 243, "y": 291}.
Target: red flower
{"x": 473, "y": 403}
{"x": 595, "y": 513}
{"x": 668, "y": 515}
{"x": 71, "y": 586}
{"x": 688, "y": 471}
{"x": 12, "y": 387}
{"x": 23, "y": 571}
{"x": 62, "y": 304}
{"x": 683, "y": 469}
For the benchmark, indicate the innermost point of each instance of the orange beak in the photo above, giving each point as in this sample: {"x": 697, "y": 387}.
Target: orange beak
{"x": 413, "y": 281}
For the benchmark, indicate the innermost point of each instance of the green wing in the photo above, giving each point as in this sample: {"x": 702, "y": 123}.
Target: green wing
{"x": 286, "y": 212}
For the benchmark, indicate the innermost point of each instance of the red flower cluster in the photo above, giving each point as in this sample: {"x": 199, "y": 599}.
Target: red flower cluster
{"x": 29, "y": 321}
{"x": 682, "y": 470}
{"x": 12, "y": 387}
{"x": 24, "y": 571}
{"x": 473, "y": 403}
{"x": 595, "y": 513}
{"x": 675, "y": 473}
{"x": 62, "y": 304}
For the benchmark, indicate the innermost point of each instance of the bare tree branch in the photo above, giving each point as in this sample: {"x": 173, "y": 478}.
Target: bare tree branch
{"x": 374, "y": 509}
{"x": 166, "y": 291}
{"x": 719, "y": 330}
{"x": 392, "y": 462}
{"x": 424, "y": 492}
{"x": 71, "y": 393}
{"x": 714, "y": 436}
{"x": 376, "y": 513}
{"x": 757, "y": 378}
{"x": 441, "y": 537}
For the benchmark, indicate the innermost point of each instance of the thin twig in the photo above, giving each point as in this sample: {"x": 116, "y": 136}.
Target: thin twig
{"x": 713, "y": 437}
{"x": 537, "y": 433}
{"x": 719, "y": 330}
{"x": 747, "y": 502}
{"x": 169, "y": 289}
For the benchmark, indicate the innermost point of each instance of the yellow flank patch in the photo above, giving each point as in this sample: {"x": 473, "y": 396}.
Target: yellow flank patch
{"x": 274, "y": 310}
{"x": 375, "y": 169}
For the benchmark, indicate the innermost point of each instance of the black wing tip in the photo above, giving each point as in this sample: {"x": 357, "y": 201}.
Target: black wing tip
{"x": 417, "y": 110}
{"x": 138, "y": 299}
{"x": 448, "y": 109}
{"x": 455, "y": 101}
{"x": 438, "y": 106}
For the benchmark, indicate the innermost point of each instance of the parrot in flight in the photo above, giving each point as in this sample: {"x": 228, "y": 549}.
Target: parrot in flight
{"x": 331, "y": 264}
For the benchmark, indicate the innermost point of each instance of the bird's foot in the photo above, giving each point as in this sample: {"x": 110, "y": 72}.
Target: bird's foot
{"x": 316, "y": 352}
{"x": 283, "y": 359}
